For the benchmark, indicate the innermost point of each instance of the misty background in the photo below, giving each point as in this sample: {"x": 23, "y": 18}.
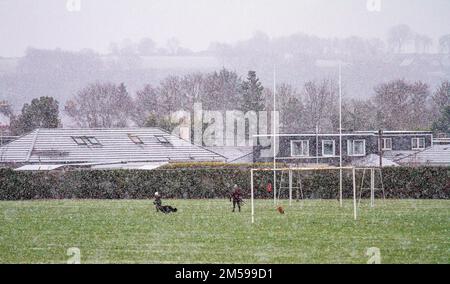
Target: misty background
{"x": 55, "y": 48}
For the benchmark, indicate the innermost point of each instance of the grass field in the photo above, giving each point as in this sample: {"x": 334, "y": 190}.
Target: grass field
{"x": 205, "y": 231}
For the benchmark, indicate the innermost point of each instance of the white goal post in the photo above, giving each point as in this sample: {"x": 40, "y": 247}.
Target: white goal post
{"x": 290, "y": 171}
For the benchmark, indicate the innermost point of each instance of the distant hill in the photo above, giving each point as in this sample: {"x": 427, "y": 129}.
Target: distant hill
{"x": 60, "y": 73}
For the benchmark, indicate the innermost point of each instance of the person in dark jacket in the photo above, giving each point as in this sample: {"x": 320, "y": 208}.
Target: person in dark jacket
{"x": 236, "y": 197}
{"x": 157, "y": 202}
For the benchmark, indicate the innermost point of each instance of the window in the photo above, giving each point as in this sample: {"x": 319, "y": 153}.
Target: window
{"x": 162, "y": 139}
{"x": 356, "y": 147}
{"x": 299, "y": 148}
{"x": 86, "y": 140}
{"x": 79, "y": 140}
{"x": 387, "y": 144}
{"x": 328, "y": 148}
{"x": 136, "y": 139}
{"x": 418, "y": 143}
{"x": 93, "y": 140}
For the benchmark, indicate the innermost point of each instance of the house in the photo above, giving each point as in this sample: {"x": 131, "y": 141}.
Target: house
{"x": 356, "y": 146}
{"x": 134, "y": 148}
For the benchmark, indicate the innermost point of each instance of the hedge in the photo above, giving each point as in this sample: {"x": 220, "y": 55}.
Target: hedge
{"x": 208, "y": 182}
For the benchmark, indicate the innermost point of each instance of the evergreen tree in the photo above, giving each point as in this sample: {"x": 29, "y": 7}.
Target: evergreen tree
{"x": 41, "y": 113}
{"x": 252, "y": 94}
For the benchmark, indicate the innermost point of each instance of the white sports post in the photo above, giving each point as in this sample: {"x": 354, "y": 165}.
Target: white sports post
{"x": 290, "y": 171}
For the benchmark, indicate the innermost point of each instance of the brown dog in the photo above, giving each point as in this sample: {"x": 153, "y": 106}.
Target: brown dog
{"x": 280, "y": 209}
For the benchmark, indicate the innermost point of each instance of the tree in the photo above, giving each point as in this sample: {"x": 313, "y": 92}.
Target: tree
{"x": 42, "y": 112}
{"x": 399, "y": 36}
{"x": 320, "y": 105}
{"x": 444, "y": 43}
{"x": 402, "y": 105}
{"x": 291, "y": 109}
{"x": 441, "y": 97}
{"x": 101, "y": 105}
{"x": 145, "y": 104}
{"x": 173, "y": 46}
{"x": 221, "y": 90}
{"x": 252, "y": 94}
{"x": 422, "y": 43}
{"x": 6, "y": 115}
{"x": 162, "y": 122}
{"x": 171, "y": 97}
{"x": 443, "y": 123}
{"x": 5, "y": 108}
{"x": 146, "y": 47}
{"x": 358, "y": 115}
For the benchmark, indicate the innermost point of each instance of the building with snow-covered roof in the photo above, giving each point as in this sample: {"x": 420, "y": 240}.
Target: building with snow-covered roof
{"x": 98, "y": 148}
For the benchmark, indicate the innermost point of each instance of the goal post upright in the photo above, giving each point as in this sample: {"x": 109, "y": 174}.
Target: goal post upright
{"x": 274, "y": 139}
{"x": 340, "y": 134}
{"x": 354, "y": 192}
{"x": 290, "y": 187}
{"x": 252, "y": 193}
{"x": 290, "y": 171}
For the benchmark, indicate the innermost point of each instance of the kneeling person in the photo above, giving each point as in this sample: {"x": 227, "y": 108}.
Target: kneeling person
{"x": 163, "y": 208}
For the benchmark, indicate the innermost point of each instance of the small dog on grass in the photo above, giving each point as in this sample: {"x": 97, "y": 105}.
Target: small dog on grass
{"x": 166, "y": 209}
{"x": 280, "y": 210}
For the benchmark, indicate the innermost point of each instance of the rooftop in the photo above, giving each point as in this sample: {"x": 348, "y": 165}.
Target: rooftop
{"x": 68, "y": 145}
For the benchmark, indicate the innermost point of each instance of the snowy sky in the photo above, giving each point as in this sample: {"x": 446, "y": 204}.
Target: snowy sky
{"x": 49, "y": 24}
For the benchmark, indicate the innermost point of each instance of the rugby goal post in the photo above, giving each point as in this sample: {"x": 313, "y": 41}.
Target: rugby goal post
{"x": 290, "y": 170}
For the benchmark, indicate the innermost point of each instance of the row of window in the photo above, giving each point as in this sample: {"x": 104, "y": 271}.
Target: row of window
{"x": 91, "y": 140}
{"x": 86, "y": 140}
{"x": 300, "y": 148}
{"x": 416, "y": 143}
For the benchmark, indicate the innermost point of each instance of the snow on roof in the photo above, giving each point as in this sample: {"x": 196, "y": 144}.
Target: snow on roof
{"x": 38, "y": 167}
{"x": 131, "y": 166}
{"x": 234, "y": 154}
{"x": 373, "y": 160}
{"x": 438, "y": 155}
{"x": 62, "y": 145}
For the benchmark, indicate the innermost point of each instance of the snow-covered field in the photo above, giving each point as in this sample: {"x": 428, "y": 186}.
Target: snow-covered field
{"x": 206, "y": 231}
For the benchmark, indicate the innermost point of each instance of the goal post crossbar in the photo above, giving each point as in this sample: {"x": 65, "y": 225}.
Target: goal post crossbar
{"x": 353, "y": 170}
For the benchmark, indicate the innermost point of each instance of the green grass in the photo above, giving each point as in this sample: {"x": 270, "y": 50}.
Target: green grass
{"x": 205, "y": 231}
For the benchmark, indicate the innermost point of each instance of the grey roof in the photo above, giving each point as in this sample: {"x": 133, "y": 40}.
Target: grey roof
{"x": 234, "y": 154}
{"x": 58, "y": 146}
{"x": 437, "y": 155}
{"x": 373, "y": 160}
{"x": 397, "y": 155}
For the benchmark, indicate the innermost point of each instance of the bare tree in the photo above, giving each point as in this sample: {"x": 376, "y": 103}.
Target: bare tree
{"x": 173, "y": 46}
{"x": 444, "y": 44}
{"x": 146, "y": 47}
{"x": 358, "y": 115}
{"x": 101, "y": 105}
{"x": 401, "y": 105}
{"x": 291, "y": 108}
{"x": 319, "y": 104}
{"x": 398, "y": 37}
{"x": 441, "y": 96}
{"x": 422, "y": 43}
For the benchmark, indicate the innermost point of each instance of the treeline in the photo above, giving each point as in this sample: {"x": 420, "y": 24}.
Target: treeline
{"x": 394, "y": 105}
